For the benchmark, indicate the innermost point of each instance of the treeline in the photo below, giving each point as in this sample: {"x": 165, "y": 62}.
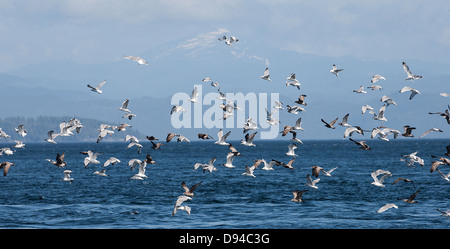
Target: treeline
{"x": 37, "y": 129}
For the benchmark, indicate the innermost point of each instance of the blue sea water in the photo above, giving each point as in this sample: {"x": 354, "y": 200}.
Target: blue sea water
{"x": 33, "y": 194}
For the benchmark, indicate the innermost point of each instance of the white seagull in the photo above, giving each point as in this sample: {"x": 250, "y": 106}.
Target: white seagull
{"x": 207, "y": 167}
{"x": 51, "y": 137}
{"x": 100, "y": 172}
{"x": 291, "y": 151}
{"x": 386, "y": 207}
{"x": 141, "y": 173}
{"x": 311, "y": 183}
{"x": 249, "y": 170}
{"x": 413, "y": 91}
{"x": 67, "y": 177}
{"x": 97, "y": 88}
{"x": 379, "y": 182}
{"x": 409, "y": 74}
{"x": 222, "y": 137}
{"x": 266, "y": 75}
{"x": 248, "y": 139}
{"x": 21, "y": 131}
{"x": 388, "y": 100}
{"x": 431, "y": 130}
{"x": 268, "y": 166}
{"x": 230, "y": 158}
{"x": 124, "y": 106}
{"x": 112, "y": 161}
{"x": 360, "y": 90}
{"x": 91, "y": 158}
{"x": 376, "y": 78}
{"x": 295, "y": 109}
{"x": 335, "y": 70}
{"x": 194, "y": 96}
{"x": 137, "y": 59}
{"x": 177, "y": 108}
{"x": 177, "y": 206}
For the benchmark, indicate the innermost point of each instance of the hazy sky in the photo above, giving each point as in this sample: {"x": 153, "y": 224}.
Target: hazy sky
{"x": 89, "y": 31}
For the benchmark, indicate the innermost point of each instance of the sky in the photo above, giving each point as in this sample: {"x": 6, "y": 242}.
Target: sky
{"x": 97, "y": 34}
{"x": 97, "y": 31}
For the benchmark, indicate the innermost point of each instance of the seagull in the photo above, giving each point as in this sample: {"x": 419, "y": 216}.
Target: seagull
{"x": 204, "y": 136}
{"x": 132, "y": 163}
{"x": 230, "y": 40}
{"x": 189, "y": 191}
{"x": 177, "y": 206}
{"x": 103, "y": 134}
{"x": 59, "y": 160}
{"x": 316, "y": 170}
{"x": 311, "y": 183}
{"x": 249, "y": 170}
{"x": 149, "y": 159}
{"x": 123, "y": 127}
{"x": 445, "y": 114}
{"x": 137, "y": 59}
{"x": 295, "y": 109}
{"x": 232, "y": 149}
{"x": 360, "y": 90}
{"x": 19, "y": 144}
{"x": 344, "y": 121}
{"x": 91, "y": 158}
{"x": 7, "y": 151}
{"x": 413, "y": 91}
{"x": 444, "y": 213}
{"x": 405, "y": 180}
{"x": 349, "y": 131}
{"x": 386, "y": 207}
{"x": 194, "y": 96}
{"x": 182, "y": 138}
{"x": 138, "y": 145}
{"x": 413, "y": 158}
{"x": 124, "y": 106}
{"x": 435, "y": 165}
{"x": 292, "y": 81}
{"x": 250, "y": 125}
{"x": 3, "y": 134}
{"x": 156, "y": 146}
{"x": 170, "y": 136}
{"x": 430, "y": 130}
{"x": 67, "y": 177}
{"x": 301, "y": 100}
{"x": 230, "y": 158}
{"x": 207, "y": 167}
{"x": 444, "y": 176}
{"x": 298, "y": 195}
{"x": 379, "y": 182}
{"x": 6, "y": 166}
{"x": 248, "y": 139}
{"x": 375, "y": 87}
{"x": 409, "y": 74}
{"x": 443, "y": 159}
{"x": 380, "y": 116}
{"x": 100, "y": 172}
{"x": 294, "y": 137}
{"x": 329, "y": 125}
{"x": 388, "y": 100}
{"x": 364, "y": 108}
{"x": 222, "y": 137}
{"x": 383, "y": 132}
{"x": 444, "y": 94}
{"x": 286, "y": 165}
{"x": 177, "y": 108}
{"x": 97, "y": 88}
{"x": 266, "y": 75}
{"x": 408, "y": 129}
{"x": 298, "y": 124}
{"x": 141, "y": 173}
{"x": 112, "y": 161}
{"x": 291, "y": 151}
{"x": 335, "y": 70}
{"x": 363, "y": 144}
{"x": 268, "y": 166}
{"x": 376, "y": 78}
{"x": 21, "y": 131}
{"x": 411, "y": 198}
{"x": 278, "y": 105}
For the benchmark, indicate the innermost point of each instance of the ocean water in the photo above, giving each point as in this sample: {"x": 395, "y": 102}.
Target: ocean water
{"x": 33, "y": 194}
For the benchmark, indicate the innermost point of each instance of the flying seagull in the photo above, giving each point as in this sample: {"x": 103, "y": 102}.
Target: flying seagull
{"x": 6, "y": 166}
{"x": 21, "y": 131}
{"x": 298, "y": 195}
{"x": 266, "y": 75}
{"x": 59, "y": 160}
{"x": 444, "y": 176}
{"x": 177, "y": 206}
{"x": 194, "y": 96}
{"x": 376, "y": 78}
{"x": 101, "y": 172}
{"x": 67, "y": 177}
{"x": 387, "y": 100}
{"x": 360, "y": 90}
{"x": 204, "y": 136}
{"x": 230, "y": 158}
{"x": 444, "y": 213}
{"x": 405, "y": 180}
{"x": 445, "y": 114}
{"x": 413, "y": 91}
{"x": 248, "y": 139}
{"x": 412, "y": 197}
{"x": 311, "y": 183}
{"x": 137, "y": 59}
{"x": 409, "y": 74}
{"x": 124, "y": 106}
{"x": 97, "y": 88}
{"x": 335, "y": 70}
{"x": 408, "y": 129}
{"x": 51, "y": 135}
{"x": 189, "y": 191}
{"x": 386, "y": 207}
{"x": 331, "y": 124}
{"x": 379, "y": 182}
{"x": 207, "y": 167}
{"x": 222, "y": 137}
{"x": 177, "y": 108}
{"x": 430, "y": 130}
{"x": 249, "y": 170}
{"x": 291, "y": 150}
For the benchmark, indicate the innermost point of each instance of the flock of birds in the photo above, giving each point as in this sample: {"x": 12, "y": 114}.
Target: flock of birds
{"x": 228, "y": 107}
